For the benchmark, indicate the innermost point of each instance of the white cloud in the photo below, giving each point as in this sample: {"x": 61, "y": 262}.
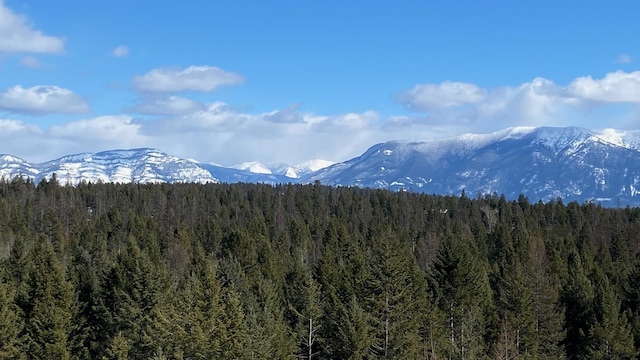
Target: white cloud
{"x": 18, "y": 36}
{"x": 539, "y": 102}
{"x": 615, "y": 87}
{"x": 428, "y": 97}
{"x": 218, "y": 132}
{"x": 169, "y": 105}
{"x": 119, "y": 130}
{"x": 120, "y": 51}
{"x": 287, "y": 115}
{"x": 10, "y": 128}
{"x": 193, "y": 78}
{"x": 41, "y": 99}
{"x": 623, "y": 59}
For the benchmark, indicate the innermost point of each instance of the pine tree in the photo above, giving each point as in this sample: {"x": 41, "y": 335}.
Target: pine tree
{"x": 46, "y": 300}
{"x": 132, "y": 290}
{"x": 549, "y": 313}
{"x": 11, "y": 324}
{"x": 394, "y": 298}
{"x": 577, "y": 297}
{"x": 465, "y": 297}
{"x": 515, "y": 301}
{"x": 235, "y": 344}
{"x": 308, "y": 313}
{"x": 631, "y": 300}
{"x": 611, "y": 336}
{"x": 269, "y": 336}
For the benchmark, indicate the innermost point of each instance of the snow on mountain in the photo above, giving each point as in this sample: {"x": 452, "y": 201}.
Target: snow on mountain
{"x": 300, "y": 170}
{"x": 626, "y": 139}
{"x": 11, "y": 166}
{"x": 313, "y": 165}
{"x": 254, "y": 167}
{"x": 118, "y": 166}
{"x": 283, "y": 169}
{"x": 542, "y": 163}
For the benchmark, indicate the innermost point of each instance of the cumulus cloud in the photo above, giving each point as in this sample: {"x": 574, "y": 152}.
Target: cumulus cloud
{"x": 539, "y": 102}
{"x": 120, "y": 51}
{"x": 18, "y": 36}
{"x": 193, "y": 78}
{"x": 615, "y": 87}
{"x": 10, "y": 128}
{"x": 118, "y": 129}
{"x": 41, "y": 99}
{"x": 287, "y": 115}
{"x": 166, "y": 105}
{"x": 218, "y": 132}
{"x": 428, "y": 97}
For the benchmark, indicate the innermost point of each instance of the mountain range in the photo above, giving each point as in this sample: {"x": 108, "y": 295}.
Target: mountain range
{"x": 543, "y": 163}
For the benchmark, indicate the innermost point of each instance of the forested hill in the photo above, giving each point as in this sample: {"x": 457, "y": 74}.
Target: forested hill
{"x": 245, "y": 271}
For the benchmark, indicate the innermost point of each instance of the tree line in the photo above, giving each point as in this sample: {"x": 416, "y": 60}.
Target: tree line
{"x": 252, "y": 271}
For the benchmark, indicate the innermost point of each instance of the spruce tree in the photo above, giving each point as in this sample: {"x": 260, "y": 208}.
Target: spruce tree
{"x": 395, "y": 298}
{"x": 577, "y": 297}
{"x": 465, "y": 297}
{"x": 11, "y": 324}
{"x": 46, "y": 300}
{"x": 610, "y": 336}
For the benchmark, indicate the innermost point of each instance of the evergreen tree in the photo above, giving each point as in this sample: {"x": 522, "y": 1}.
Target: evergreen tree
{"x": 11, "y": 324}
{"x": 611, "y": 336}
{"x": 394, "y": 298}
{"x": 308, "y": 313}
{"x": 549, "y": 313}
{"x": 518, "y": 337}
{"x": 46, "y": 300}
{"x": 631, "y": 300}
{"x": 465, "y": 297}
{"x": 132, "y": 290}
{"x": 577, "y": 297}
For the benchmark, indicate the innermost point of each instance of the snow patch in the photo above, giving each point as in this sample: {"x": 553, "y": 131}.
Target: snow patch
{"x": 254, "y": 167}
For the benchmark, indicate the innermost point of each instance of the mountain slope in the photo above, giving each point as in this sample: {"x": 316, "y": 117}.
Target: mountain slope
{"x": 542, "y": 163}
{"x": 119, "y": 166}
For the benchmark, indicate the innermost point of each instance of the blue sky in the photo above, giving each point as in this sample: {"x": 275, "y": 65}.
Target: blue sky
{"x": 290, "y": 81}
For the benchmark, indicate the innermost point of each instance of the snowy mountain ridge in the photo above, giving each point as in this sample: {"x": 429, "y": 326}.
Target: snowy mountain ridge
{"x": 542, "y": 163}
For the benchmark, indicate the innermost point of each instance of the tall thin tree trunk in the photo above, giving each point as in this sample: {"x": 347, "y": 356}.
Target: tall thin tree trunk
{"x": 310, "y": 340}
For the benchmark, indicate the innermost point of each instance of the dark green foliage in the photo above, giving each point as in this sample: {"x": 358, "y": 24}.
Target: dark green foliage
{"x": 11, "y": 324}
{"x": 219, "y": 271}
{"x": 577, "y": 297}
{"x": 465, "y": 297}
{"x": 45, "y": 299}
{"x": 611, "y": 336}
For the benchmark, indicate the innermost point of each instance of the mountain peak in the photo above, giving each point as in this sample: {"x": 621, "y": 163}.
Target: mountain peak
{"x": 542, "y": 162}
{"x": 254, "y": 167}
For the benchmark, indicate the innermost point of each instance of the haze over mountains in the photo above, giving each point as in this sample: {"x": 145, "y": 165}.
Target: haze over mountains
{"x": 542, "y": 163}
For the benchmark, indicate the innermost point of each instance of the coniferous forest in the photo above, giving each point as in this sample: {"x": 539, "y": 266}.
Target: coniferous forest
{"x": 246, "y": 271}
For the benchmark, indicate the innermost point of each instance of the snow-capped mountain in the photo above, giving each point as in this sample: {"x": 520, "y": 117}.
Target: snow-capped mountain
{"x": 254, "y": 167}
{"x": 301, "y": 170}
{"x": 283, "y": 169}
{"x": 119, "y": 166}
{"x": 11, "y": 166}
{"x": 542, "y": 163}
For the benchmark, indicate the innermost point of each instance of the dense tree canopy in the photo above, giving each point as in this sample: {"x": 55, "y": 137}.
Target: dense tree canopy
{"x": 249, "y": 271}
